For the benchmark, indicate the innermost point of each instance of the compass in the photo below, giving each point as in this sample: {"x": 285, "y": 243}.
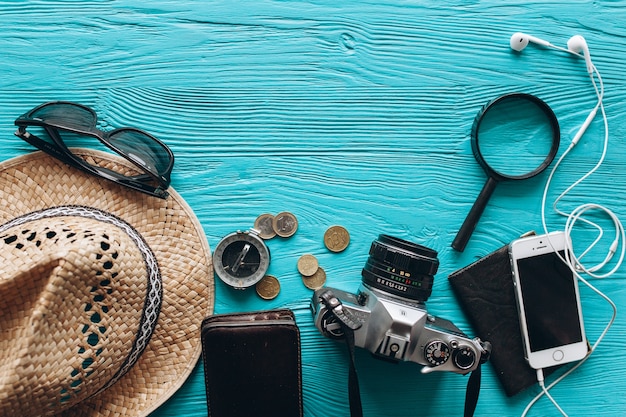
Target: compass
{"x": 241, "y": 259}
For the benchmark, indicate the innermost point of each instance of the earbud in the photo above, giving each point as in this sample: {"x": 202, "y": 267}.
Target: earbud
{"x": 575, "y": 45}
{"x": 578, "y": 45}
{"x": 520, "y": 40}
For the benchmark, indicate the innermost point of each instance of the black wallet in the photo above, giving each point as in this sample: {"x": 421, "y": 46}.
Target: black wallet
{"x": 252, "y": 364}
{"x": 487, "y": 296}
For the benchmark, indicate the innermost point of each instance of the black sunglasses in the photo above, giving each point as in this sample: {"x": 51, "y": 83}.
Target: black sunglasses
{"x": 61, "y": 119}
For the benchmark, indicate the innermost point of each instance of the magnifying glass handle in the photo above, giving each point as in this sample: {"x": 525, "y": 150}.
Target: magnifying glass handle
{"x": 468, "y": 226}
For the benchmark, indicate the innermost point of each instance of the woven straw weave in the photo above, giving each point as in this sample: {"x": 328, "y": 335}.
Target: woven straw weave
{"x": 55, "y": 302}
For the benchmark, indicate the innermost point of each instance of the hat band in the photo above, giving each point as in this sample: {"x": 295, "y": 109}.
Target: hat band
{"x": 154, "y": 295}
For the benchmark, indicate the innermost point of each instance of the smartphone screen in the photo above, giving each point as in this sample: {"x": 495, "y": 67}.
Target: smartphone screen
{"x": 551, "y": 305}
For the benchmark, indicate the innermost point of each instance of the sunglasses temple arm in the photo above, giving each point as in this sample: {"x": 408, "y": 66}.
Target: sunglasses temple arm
{"x": 137, "y": 182}
{"x": 43, "y": 145}
{"x": 142, "y": 178}
{"x": 113, "y": 175}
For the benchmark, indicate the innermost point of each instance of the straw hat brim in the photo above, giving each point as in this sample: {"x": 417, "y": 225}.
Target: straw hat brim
{"x": 37, "y": 181}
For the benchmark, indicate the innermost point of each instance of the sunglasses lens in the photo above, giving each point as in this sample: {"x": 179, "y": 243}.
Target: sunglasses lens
{"x": 60, "y": 126}
{"x": 66, "y": 115}
{"x": 143, "y": 150}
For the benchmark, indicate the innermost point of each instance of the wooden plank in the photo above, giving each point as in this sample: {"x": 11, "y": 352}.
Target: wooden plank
{"x": 343, "y": 114}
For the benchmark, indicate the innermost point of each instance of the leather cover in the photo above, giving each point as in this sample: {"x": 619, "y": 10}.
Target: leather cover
{"x": 252, "y": 364}
{"x": 487, "y": 296}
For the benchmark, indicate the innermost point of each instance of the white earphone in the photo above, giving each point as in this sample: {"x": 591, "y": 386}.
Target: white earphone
{"x": 520, "y": 40}
{"x": 576, "y": 45}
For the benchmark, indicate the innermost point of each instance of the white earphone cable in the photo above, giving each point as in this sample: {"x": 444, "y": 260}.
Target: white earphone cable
{"x": 573, "y": 261}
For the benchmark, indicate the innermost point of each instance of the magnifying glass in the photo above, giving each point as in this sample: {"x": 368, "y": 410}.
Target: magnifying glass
{"x": 514, "y": 137}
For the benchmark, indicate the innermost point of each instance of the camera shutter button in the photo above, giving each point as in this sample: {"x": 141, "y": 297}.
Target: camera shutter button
{"x": 464, "y": 358}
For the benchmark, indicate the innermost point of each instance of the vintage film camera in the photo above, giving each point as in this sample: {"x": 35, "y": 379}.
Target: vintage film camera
{"x": 388, "y": 315}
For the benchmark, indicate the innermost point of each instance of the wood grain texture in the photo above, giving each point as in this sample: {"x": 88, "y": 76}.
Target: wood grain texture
{"x": 353, "y": 114}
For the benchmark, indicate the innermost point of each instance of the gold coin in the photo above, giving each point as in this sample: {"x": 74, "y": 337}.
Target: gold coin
{"x": 268, "y": 288}
{"x": 264, "y": 225}
{"x": 315, "y": 281}
{"x": 285, "y": 224}
{"x": 336, "y": 238}
{"x": 307, "y": 265}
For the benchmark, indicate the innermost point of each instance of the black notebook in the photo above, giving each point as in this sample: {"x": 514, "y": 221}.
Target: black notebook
{"x": 486, "y": 294}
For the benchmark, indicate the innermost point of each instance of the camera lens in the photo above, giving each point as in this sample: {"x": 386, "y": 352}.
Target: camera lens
{"x": 401, "y": 268}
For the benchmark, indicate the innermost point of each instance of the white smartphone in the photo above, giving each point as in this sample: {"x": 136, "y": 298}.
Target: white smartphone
{"x": 548, "y": 301}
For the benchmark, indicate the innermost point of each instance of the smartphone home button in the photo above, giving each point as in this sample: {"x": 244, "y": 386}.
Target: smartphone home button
{"x": 558, "y": 355}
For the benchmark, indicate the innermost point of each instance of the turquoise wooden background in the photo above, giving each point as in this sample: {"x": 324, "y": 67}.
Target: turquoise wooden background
{"x": 351, "y": 113}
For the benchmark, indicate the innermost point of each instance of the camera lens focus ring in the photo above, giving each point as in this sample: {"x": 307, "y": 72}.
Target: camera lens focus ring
{"x": 421, "y": 284}
{"x": 404, "y": 255}
{"x": 399, "y": 288}
{"x": 401, "y": 268}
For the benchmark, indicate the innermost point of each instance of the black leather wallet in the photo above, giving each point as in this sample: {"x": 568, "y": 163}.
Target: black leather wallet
{"x": 486, "y": 294}
{"x": 252, "y": 364}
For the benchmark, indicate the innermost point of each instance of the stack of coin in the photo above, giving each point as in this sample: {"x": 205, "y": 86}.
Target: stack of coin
{"x": 284, "y": 224}
{"x": 267, "y": 226}
{"x": 313, "y": 275}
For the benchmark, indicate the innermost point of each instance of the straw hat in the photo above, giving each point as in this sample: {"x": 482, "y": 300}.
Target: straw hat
{"x": 102, "y": 291}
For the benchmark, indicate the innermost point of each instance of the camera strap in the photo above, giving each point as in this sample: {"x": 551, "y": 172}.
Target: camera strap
{"x": 354, "y": 392}
{"x": 348, "y": 325}
{"x": 472, "y": 391}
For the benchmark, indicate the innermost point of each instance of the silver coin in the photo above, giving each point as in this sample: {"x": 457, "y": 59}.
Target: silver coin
{"x": 264, "y": 224}
{"x": 285, "y": 224}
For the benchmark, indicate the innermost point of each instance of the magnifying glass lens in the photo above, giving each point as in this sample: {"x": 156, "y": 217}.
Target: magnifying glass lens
{"x": 515, "y": 136}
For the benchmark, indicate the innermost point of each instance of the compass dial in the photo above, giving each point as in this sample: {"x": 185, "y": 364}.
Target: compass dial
{"x": 241, "y": 259}
{"x": 437, "y": 353}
